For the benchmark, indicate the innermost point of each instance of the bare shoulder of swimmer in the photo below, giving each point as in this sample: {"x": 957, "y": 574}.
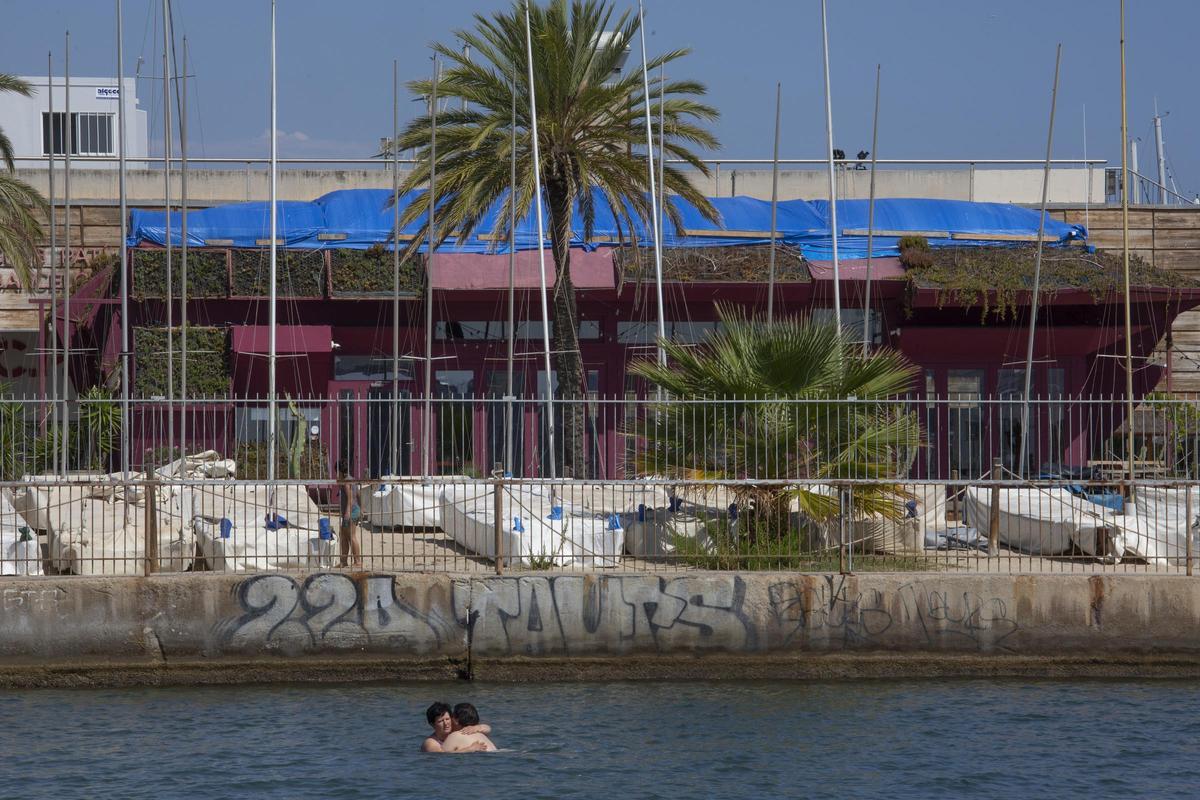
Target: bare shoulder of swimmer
{"x": 458, "y": 742}
{"x": 431, "y": 745}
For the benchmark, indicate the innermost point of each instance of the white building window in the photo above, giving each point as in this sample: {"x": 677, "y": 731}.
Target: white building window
{"x": 93, "y": 134}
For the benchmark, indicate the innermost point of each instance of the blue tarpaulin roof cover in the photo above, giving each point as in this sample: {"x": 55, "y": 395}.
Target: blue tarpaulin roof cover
{"x": 359, "y": 218}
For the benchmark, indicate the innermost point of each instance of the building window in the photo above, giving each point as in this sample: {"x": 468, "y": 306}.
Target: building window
{"x": 367, "y": 368}
{"x": 498, "y": 331}
{"x": 92, "y": 134}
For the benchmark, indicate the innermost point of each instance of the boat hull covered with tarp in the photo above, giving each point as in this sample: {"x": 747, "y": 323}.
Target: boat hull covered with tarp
{"x": 1042, "y": 521}
{"x": 529, "y": 536}
{"x": 399, "y": 503}
{"x": 250, "y": 541}
{"x": 1155, "y": 525}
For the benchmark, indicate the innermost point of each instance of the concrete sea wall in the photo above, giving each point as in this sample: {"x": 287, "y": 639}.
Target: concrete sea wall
{"x": 337, "y": 626}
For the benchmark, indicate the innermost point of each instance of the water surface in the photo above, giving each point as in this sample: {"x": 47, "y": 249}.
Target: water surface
{"x": 618, "y": 740}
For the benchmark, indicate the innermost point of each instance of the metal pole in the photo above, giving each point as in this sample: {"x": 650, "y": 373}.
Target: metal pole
{"x": 662, "y": 160}
{"x": 66, "y": 367}
{"x": 774, "y": 208}
{"x": 53, "y": 263}
{"x": 183, "y": 267}
{"x": 658, "y": 287}
{"x": 541, "y": 225}
{"x": 395, "y": 421}
{"x": 1087, "y": 200}
{"x": 1037, "y": 274}
{"x": 994, "y": 510}
{"x": 871, "y": 218}
{"x": 512, "y": 305}
{"x": 1133, "y": 157}
{"x": 833, "y": 226}
{"x": 126, "y": 433}
{"x": 1125, "y": 264}
{"x": 170, "y": 298}
{"x": 272, "y": 271}
{"x": 1162, "y": 159}
{"x": 427, "y": 420}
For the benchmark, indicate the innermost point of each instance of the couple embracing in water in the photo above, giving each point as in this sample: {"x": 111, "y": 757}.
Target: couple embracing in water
{"x": 456, "y": 730}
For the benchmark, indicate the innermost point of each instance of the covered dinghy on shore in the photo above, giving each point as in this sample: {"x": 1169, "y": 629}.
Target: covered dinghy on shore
{"x": 1046, "y": 522}
{"x": 242, "y": 527}
{"x": 530, "y": 535}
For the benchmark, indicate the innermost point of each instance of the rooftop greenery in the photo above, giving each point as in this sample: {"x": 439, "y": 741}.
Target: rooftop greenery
{"x": 741, "y": 263}
{"x": 994, "y": 277}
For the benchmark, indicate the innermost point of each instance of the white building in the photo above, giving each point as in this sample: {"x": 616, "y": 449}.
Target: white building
{"x": 27, "y": 121}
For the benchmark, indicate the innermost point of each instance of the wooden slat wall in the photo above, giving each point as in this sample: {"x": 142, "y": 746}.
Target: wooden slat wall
{"x": 1170, "y": 239}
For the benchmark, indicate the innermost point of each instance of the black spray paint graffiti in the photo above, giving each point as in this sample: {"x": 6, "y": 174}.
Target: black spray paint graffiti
{"x": 802, "y": 608}
{"x": 329, "y": 610}
{"x": 577, "y": 614}
{"x": 492, "y": 616}
{"x": 821, "y": 611}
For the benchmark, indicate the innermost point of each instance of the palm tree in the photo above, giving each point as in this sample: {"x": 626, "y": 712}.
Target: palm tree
{"x": 798, "y": 401}
{"x": 592, "y": 139}
{"x": 20, "y": 231}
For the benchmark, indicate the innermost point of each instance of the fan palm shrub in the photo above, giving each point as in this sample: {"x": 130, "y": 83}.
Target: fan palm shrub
{"x": 787, "y": 409}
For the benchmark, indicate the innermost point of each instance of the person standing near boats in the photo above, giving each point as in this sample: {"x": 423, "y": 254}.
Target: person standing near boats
{"x": 348, "y": 512}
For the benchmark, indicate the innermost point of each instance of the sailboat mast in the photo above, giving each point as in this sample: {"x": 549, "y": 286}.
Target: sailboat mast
{"x": 55, "y": 130}
{"x": 126, "y": 433}
{"x": 272, "y": 275}
{"x": 541, "y": 244}
{"x": 774, "y": 208}
{"x": 1125, "y": 262}
{"x": 662, "y": 156}
{"x": 833, "y": 226}
{"x": 427, "y": 419}
{"x": 183, "y": 265}
{"x": 871, "y": 218}
{"x": 170, "y": 298}
{"x": 1037, "y": 275}
{"x": 395, "y": 404}
{"x": 66, "y": 365}
{"x": 512, "y": 264}
{"x": 658, "y": 287}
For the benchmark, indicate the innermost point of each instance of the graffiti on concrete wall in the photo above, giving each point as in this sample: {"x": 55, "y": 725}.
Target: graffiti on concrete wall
{"x": 332, "y": 610}
{"x": 580, "y": 614}
{"x": 595, "y": 614}
{"x": 824, "y": 609}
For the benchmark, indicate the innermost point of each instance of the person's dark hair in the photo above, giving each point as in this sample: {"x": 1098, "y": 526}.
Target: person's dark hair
{"x": 435, "y": 711}
{"x": 465, "y": 714}
{"x": 341, "y": 469}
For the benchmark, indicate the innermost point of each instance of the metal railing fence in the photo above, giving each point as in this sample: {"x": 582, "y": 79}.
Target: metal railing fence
{"x": 105, "y": 525}
{"x": 909, "y": 483}
{"x": 943, "y": 437}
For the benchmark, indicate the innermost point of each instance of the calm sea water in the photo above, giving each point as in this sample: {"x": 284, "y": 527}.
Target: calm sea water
{"x": 616, "y": 740}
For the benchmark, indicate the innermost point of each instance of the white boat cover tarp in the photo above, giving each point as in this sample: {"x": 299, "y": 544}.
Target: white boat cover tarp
{"x": 87, "y": 536}
{"x": 1155, "y": 526}
{"x": 1042, "y": 521}
{"x": 393, "y": 503}
{"x": 20, "y": 553}
{"x": 528, "y": 535}
{"x": 251, "y": 544}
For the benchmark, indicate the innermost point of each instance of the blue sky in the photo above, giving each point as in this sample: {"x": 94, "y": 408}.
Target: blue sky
{"x": 961, "y": 78}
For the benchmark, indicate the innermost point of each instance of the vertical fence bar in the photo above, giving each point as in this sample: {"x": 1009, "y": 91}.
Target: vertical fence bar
{"x": 498, "y": 515}
{"x": 1187, "y": 525}
{"x": 994, "y": 512}
{"x": 151, "y": 544}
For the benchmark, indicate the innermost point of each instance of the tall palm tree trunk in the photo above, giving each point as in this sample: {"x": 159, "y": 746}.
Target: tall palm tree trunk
{"x": 568, "y": 360}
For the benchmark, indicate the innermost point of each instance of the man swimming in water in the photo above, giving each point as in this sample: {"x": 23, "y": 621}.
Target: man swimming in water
{"x": 468, "y": 735}
{"x": 444, "y": 724}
